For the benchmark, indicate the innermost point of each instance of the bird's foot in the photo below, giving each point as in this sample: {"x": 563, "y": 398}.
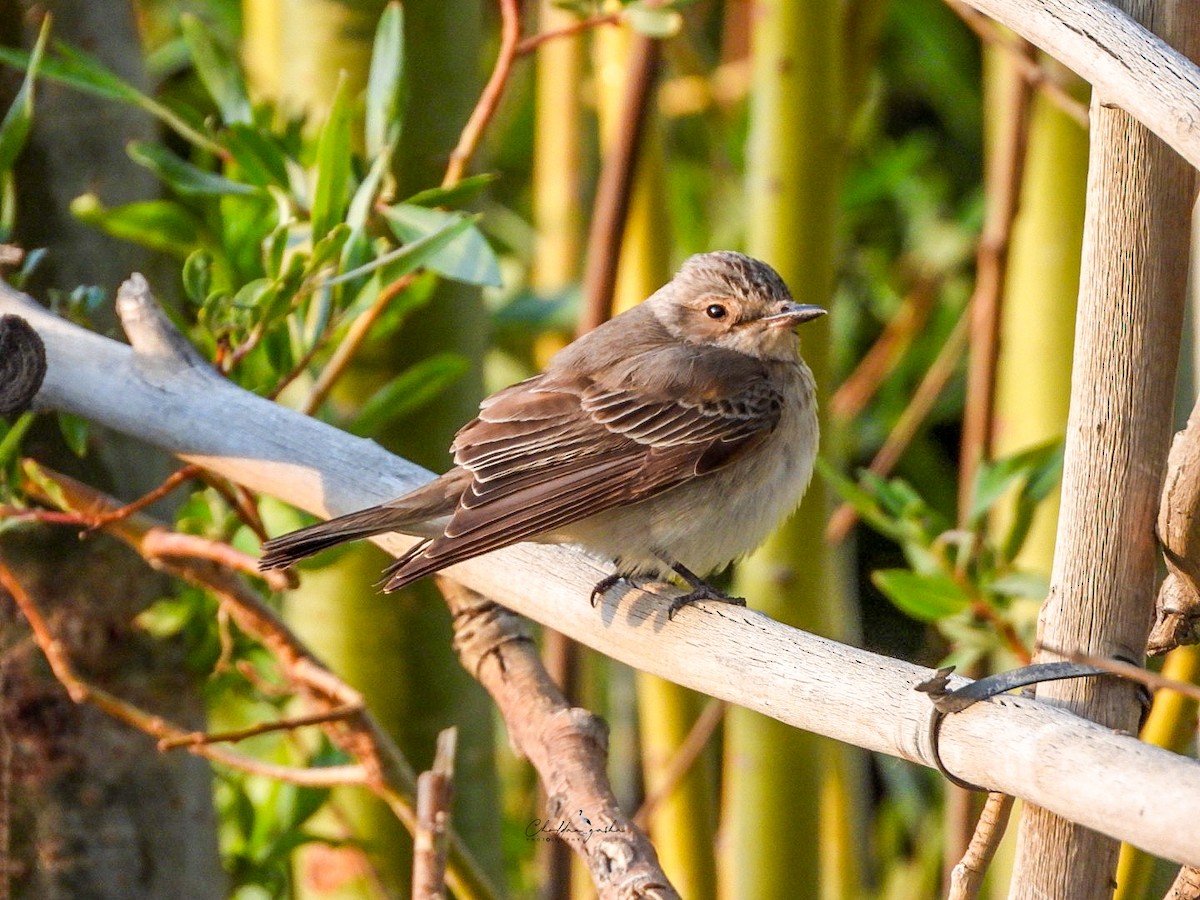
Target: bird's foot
{"x": 701, "y": 591}
{"x": 608, "y": 581}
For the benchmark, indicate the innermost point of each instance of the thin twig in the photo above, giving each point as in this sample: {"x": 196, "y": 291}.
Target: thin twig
{"x": 1055, "y": 87}
{"x": 435, "y": 791}
{"x": 468, "y": 141}
{"x": 614, "y": 187}
{"x": 1003, "y": 177}
{"x": 683, "y": 759}
{"x": 1005, "y": 169}
{"x": 291, "y": 723}
{"x": 967, "y": 877}
{"x": 853, "y": 395}
{"x": 243, "y": 503}
{"x": 90, "y": 510}
{"x": 169, "y": 484}
{"x": 531, "y": 43}
{"x": 1151, "y": 680}
{"x": 82, "y": 691}
{"x": 162, "y": 543}
{"x": 923, "y": 399}
{"x": 382, "y": 768}
{"x": 356, "y": 335}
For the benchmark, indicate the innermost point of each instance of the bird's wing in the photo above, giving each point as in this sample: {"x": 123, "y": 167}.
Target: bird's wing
{"x": 553, "y": 450}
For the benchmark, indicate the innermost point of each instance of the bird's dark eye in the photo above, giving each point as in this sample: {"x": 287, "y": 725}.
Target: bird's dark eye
{"x": 716, "y": 311}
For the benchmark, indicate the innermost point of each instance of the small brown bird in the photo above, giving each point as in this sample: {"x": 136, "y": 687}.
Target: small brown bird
{"x": 672, "y": 438}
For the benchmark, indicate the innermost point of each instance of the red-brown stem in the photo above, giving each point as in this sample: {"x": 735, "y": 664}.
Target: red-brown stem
{"x": 532, "y": 42}
{"x": 468, "y": 141}
{"x": 1006, "y": 165}
{"x": 615, "y": 186}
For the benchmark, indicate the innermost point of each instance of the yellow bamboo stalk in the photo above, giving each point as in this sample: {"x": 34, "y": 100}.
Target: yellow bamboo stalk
{"x": 557, "y": 155}
{"x": 1171, "y": 724}
{"x": 779, "y": 781}
{"x": 262, "y": 46}
{"x": 1037, "y": 325}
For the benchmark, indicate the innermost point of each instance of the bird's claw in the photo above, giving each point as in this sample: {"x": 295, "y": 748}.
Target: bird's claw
{"x": 603, "y": 585}
{"x": 701, "y": 592}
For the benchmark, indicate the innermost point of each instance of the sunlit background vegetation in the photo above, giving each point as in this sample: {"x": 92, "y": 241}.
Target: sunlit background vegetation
{"x": 280, "y": 170}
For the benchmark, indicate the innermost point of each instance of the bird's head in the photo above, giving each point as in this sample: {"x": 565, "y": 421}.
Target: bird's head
{"x": 732, "y": 301}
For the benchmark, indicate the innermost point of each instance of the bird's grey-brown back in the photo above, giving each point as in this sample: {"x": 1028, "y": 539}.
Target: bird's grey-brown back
{"x": 736, "y": 363}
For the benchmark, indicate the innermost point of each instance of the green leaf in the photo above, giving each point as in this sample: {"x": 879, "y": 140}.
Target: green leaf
{"x": 653, "y": 21}
{"x": 46, "y": 483}
{"x": 862, "y": 501}
{"x": 333, "y": 166}
{"x": 75, "y": 432}
{"x": 386, "y": 83}
{"x": 411, "y": 256}
{"x": 197, "y": 275}
{"x": 1040, "y": 464}
{"x": 467, "y": 258}
{"x": 257, "y": 154}
{"x": 182, "y": 176}
{"x": 87, "y": 74}
{"x": 28, "y": 266}
{"x": 1046, "y": 472}
{"x": 408, "y": 391}
{"x": 924, "y": 597}
{"x": 19, "y": 118}
{"x": 458, "y": 194}
{"x": 10, "y": 442}
{"x": 219, "y": 72}
{"x": 157, "y": 224}
{"x": 364, "y": 198}
{"x": 1032, "y": 585}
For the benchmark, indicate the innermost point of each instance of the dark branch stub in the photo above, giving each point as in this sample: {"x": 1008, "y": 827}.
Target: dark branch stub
{"x": 22, "y": 365}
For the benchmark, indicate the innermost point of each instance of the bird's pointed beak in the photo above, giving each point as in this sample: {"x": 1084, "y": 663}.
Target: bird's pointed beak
{"x": 794, "y": 314}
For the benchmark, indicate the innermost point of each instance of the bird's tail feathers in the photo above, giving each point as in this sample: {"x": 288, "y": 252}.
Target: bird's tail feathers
{"x": 280, "y": 552}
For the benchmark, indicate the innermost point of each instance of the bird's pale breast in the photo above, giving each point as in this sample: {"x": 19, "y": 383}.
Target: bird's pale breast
{"x": 709, "y": 521}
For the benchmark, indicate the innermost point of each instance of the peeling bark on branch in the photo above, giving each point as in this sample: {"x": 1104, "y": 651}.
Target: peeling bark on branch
{"x": 1177, "y": 608}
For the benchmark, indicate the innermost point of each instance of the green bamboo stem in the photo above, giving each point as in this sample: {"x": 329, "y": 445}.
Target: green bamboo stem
{"x": 779, "y": 781}
{"x": 682, "y": 826}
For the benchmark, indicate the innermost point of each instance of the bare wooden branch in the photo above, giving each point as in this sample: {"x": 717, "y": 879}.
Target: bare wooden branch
{"x": 22, "y": 365}
{"x": 1186, "y": 885}
{"x": 1127, "y": 65}
{"x": 1128, "y": 331}
{"x": 1045, "y": 755}
{"x": 435, "y": 791}
{"x": 967, "y": 877}
{"x": 1177, "y": 607}
{"x": 567, "y": 746}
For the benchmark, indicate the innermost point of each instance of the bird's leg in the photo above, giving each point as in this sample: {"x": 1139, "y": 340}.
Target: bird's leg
{"x": 609, "y": 581}
{"x": 700, "y": 589}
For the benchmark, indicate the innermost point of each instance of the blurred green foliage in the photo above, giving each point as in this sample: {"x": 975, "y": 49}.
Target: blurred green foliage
{"x": 288, "y": 231}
